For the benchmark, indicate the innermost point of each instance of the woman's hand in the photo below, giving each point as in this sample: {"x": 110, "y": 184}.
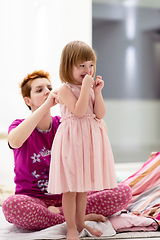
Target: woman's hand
{"x": 52, "y": 99}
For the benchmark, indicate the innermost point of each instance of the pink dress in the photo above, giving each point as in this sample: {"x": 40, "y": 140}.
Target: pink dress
{"x": 81, "y": 155}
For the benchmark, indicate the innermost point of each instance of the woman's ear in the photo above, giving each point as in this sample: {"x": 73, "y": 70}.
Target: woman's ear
{"x": 27, "y": 101}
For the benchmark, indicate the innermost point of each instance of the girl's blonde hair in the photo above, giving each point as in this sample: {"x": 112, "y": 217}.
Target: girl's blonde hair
{"x": 74, "y": 53}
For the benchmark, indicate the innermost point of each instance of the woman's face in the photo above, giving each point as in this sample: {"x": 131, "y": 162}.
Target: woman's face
{"x": 80, "y": 71}
{"x": 40, "y": 89}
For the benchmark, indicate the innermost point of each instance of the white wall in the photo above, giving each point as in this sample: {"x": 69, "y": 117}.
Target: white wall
{"x": 133, "y": 128}
{"x": 33, "y": 34}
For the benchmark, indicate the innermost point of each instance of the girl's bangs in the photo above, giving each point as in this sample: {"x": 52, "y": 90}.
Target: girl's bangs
{"x": 85, "y": 54}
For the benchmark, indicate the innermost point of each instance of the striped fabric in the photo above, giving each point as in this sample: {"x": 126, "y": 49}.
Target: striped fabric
{"x": 145, "y": 186}
{"x": 147, "y": 177}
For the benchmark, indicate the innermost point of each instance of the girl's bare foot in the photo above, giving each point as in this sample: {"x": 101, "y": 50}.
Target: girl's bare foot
{"x": 54, "y": 209}
{"x": 94, "y": 231}
{"x": 95, "y": 217}
{"x": 72, "y": 234}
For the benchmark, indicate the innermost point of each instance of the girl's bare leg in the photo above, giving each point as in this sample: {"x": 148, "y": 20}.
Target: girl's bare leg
{"x": 69, "y": 210}
{"x": 81, "y": 201}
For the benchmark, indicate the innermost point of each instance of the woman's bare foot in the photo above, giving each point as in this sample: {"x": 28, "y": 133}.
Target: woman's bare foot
{"x": 54, "y": 209}
{"x": 95, "y": 217}
{"x": 72, "y": 234}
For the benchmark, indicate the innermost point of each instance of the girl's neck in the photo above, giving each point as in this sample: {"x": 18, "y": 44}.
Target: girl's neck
{"x": 75, "y": 83}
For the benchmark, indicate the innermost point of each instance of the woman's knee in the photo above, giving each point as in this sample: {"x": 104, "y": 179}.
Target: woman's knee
{"x": 125, "y": 192}
{"x": 15, "y": 205}
{"x": 8, "y": 204}
{"x": 8, "y": 207}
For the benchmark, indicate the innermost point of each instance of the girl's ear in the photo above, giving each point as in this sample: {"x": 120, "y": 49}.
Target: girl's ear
{"x": 27, "y": 101}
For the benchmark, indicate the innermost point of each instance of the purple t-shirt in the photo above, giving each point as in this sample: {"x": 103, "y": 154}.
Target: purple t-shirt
{"x": 32, "y": 161}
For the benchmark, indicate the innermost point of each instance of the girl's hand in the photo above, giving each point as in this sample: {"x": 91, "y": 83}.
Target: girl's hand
{"x": 88, "y": 80}
{"x": 98, "y": 84}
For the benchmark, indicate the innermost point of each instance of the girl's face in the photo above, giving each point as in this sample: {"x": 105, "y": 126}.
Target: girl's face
{"x": 80, "y": 71}
{"x": 40, "y": 89}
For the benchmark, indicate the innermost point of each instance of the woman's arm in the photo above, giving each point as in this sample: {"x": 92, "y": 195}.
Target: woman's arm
{"x": 18, "y": 135}
{"x": 77, "y": 107}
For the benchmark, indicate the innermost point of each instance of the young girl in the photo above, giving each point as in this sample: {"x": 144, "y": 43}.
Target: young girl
{"x": 81, "y": 155}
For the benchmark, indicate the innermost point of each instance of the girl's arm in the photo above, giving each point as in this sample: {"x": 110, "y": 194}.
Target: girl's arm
{"x": 77, "y": 107}
{"x": 19, "y": 135}
{"x": 99, "y": 105}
